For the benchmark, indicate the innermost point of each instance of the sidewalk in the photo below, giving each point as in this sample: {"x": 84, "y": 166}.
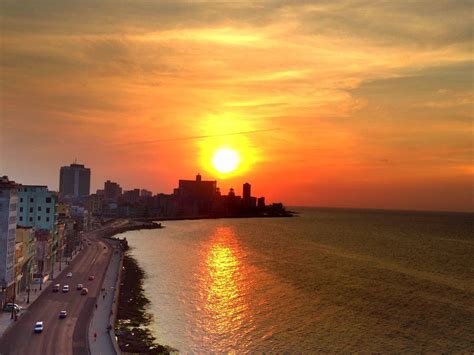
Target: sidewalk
{"x": 22, "y": 297}
{"x": 104, "y": 314}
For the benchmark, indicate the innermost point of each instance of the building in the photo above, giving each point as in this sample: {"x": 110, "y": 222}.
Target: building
{"x": 74, "y": 181}
{"x": 132, "y": 196}
{"x": 36, "y": 207}
{"x": 25, "y": 258}
{"x": 195, "y": 197}
{"x": 145, "y": 193}
{"x": 43, "y": 255}
{"x": 94, "y": 203}
{"x": 8, "y": 220}
{"x": 112, "y": 191}
{"x": 246, "y": 194}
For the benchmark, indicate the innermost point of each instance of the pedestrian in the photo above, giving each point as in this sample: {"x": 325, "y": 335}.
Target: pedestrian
{"x": 95, "y": 336}
{"x": 96, "y": 306}
{"x": 103, "y": 297}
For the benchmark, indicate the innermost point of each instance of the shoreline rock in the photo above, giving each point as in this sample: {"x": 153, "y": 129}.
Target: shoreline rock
{"x": 132, "y": 318}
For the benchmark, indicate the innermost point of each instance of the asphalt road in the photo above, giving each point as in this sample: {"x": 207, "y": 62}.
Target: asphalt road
{"x": 62, "y": 336}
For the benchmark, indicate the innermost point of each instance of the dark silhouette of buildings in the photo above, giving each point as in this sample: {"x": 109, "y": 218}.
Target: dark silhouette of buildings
{"x": 112, "y": 191}
{"x": 74, "y": 181}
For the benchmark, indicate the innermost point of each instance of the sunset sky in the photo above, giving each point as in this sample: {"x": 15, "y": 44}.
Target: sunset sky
{"x": 328, "y": 103}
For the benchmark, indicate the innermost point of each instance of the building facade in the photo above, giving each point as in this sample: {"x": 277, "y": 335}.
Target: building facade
{"x": 25, "y": 262}
{"x": 8, "y": 220}
{"x": 112, "y": 191}
{"x": 74, "y": 181}
{"x": 36, "y": 207}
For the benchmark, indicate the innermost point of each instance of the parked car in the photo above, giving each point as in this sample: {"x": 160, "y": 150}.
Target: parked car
{"x": 12, "y": 306}
{"x": 91, "y": 277}
{"x": 66, "y": 288}
{"x": 56, "y": 288}
{"x": 84, "y": 291}
{"x": 63, "y": 314}
{"x": 79, "y": 287}
{"x": 69, "y": 274}
{"x": 39, "y": 326}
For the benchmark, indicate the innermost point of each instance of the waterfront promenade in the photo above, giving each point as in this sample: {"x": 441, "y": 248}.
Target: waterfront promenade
{"x": 101, "y": 338}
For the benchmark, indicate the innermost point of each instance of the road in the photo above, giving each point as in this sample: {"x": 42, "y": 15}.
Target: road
{"x": 69, "y": 335}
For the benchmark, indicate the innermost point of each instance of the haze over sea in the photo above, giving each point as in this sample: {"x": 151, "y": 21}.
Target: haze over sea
{"x": 329, "y": 280}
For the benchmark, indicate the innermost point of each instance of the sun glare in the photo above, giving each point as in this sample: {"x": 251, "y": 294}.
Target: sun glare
{"x": 225, "y": 160}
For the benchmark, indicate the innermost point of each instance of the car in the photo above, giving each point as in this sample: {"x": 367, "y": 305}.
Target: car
{"x": 39, "y": 326}
{"x": 79, "y": 287}
{"x": 63, "y": 314}
{"x": 69, "y": 274}
{"x": 84, "y": 291}
{"x": 91, "y": 277}
{"x": 9, "y": 307}
{"x": 56, "y": 288}
{"x": 66, "y": 288}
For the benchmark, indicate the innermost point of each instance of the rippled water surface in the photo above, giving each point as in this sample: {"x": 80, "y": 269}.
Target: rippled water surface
{"x": 330, "y": 280}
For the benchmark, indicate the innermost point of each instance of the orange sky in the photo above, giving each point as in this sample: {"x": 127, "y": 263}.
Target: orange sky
{"x": 348, "y": 104}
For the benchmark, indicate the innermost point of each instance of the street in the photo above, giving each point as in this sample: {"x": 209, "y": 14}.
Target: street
{"x": 69, "y": 335}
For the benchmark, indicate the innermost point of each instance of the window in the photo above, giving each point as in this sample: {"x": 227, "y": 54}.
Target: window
{"x": 47, "y": 219}
{"x": 48, "y": 210}
{"x": 21, "y": 218}
{"x": 39, "y": 218}
{"x": 21, "y": 199}
{"x": 31, "y": 219}
{"x": 21, "y": 209}
{"x": 32, "y": 199}
{"x": 31, "y": 209}
{"x": 39, "y": 208}
{"x": 48, "y": 199}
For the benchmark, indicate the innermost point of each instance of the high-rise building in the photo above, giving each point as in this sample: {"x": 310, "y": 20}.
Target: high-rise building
{"x": 74, "y": 181}
{"x": 246, "y": 193}
{"x": 8, "y": 207}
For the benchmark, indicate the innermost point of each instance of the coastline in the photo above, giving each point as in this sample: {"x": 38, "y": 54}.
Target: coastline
{"x": 131, "y": 319}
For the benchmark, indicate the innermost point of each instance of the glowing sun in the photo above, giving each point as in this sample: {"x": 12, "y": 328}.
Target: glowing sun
{"x": 225, "y": 160}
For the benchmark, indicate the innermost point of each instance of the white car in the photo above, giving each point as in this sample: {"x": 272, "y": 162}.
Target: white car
{"x": 39, "y": 327}
{"x": 69, "y": 274}
{"x": 66, "y": 288}
{"x": 63, "y": 314}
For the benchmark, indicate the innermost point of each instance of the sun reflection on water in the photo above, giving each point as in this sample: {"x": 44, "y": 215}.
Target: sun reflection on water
{"x": 223, "y": 289}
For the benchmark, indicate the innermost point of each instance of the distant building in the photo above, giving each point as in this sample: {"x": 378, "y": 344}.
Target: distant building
{"x": 195, "y": 197}
{"x": 145, "y": 193}
{"x": 94, "y": 203}
{"x": 8, "y": 220}
{"x": 112, "y": 190}
{"x": 74, "y": 181}
{"x": 261, "y": 202}
{"x": 132, "y": 196}
{"x": 247, "y": 199}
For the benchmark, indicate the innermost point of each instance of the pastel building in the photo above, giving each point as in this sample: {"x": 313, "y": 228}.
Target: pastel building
{"x": 8, "y": 220}
{"x": 37, "y": 207}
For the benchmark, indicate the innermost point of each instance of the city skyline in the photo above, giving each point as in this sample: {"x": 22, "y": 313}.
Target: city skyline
{"x": 339, "y": 104}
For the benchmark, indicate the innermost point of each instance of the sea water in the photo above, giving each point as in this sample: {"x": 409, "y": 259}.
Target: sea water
{"x": 329, "y": 280}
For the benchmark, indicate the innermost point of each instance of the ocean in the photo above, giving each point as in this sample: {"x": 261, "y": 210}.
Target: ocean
{"x": 330, "y": 280}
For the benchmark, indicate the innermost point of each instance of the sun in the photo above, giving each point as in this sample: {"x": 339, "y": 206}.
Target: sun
{"x": 226, "y": 160}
